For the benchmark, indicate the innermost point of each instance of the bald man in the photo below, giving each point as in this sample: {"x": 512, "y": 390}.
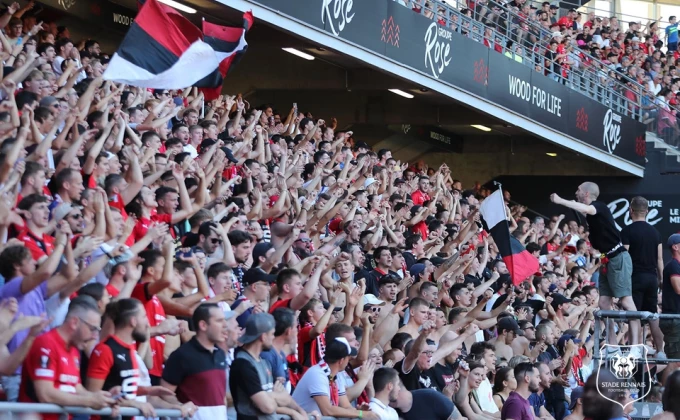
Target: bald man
{"x": 616, "y": 275}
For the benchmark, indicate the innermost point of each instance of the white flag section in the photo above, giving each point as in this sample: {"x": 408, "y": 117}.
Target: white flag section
{"x": 198, "y": 61}
{"x": 493, "y": 209}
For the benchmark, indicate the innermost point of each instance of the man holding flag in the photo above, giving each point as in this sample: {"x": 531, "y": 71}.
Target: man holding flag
{"x": 617, "y": 266}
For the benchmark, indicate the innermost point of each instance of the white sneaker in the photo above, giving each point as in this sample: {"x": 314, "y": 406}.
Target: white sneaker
{"x": 660, "y": 355}
{"x": 636, "y": 352}
{"x": 612, "y": 352}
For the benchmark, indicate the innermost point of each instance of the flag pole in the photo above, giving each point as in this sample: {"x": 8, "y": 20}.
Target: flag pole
{"x": 505, "y": 207}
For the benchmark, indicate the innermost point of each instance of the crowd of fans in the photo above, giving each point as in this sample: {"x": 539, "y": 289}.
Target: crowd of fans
{"x": 228, "y": 260}
{"x": 638, "y": 62}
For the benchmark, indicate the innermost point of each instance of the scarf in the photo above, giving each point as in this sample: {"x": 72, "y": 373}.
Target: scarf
{"x": 363, "y": 398}
{"x": 334, "y": 392}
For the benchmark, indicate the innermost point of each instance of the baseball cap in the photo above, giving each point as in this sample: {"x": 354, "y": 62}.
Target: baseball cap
{"x": 509, "y": 324}
{"x": 48, "y": 101}
{"x": 63, "y": 210}
{"x": 370, "y": 299}
{"x": 576, "y": 393}
{"x": 399, "y": 181}
{"x": 558, "y": 299}
{"x": 260, "y": 250}
{"x": 256, "y": 325}
{"x": 229, "y": 315}
{"x": 327, "y": 305}
{"x": 674, "y": 239}
{"x": 256, "y": 274}
{"x": 556, "y": 34}
{"x": 417, "y": 269}
{"x": 368, "y": 182}
{"x": 338, "y": 349}
{"x": 552, "y": 6}
{"x": 361, "y": 145}
{"x": 564, "y": 339}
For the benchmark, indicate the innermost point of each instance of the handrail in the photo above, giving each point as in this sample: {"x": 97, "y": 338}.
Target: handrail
{"x": 611, "y": 94}
{"x": 608, "y": 315}
{"x": 609, "y": 13}
{"x": 41, "y": 408}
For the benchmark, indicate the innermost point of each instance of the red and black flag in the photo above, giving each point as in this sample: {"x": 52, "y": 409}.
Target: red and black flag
{"x": 161, "y": 50}
{"x": 521, "y": 264}
{"x": 229, "y": 43}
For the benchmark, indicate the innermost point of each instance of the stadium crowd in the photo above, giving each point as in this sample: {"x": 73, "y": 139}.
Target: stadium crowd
{"x": 639, "y": 62}
{"x": 234, "y": 261}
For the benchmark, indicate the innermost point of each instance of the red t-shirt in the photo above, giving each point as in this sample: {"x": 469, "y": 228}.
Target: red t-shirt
{"x": 114, "y": 361}
{"x": 112, "y": 290}
{"x": 143, "y": 224}
{"x": 156, "y": 315}
{"x": 310, "y": 350}
{"x": 281, "y": 303}
{"x": 419, "y": 198}
{"x": 39, "y": 245}
{"x": 50, "y": 359}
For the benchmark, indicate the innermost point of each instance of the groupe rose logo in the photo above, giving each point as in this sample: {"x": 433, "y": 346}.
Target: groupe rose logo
{"x": 339, "y": 14}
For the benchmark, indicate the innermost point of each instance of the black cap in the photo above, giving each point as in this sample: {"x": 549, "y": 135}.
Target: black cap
{"x": 509, "y": 324}
{"x": 558, "y": 299}
{"x": 254, "y": 275}
{"x": 327, "y": 305}
{"x": 399, "y": 181}
{"x": 338, "y": 349}
{"x": 229, "y": 155}
{"x": 361, "y": 145}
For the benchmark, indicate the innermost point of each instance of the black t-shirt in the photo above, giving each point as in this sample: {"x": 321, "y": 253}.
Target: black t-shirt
{"x": 244, "y": 382}
{"x": 671, "y": 300}
{"x": 551, "y": 57}
{"x": 603, "y": 233}
{"x": 441, "y": 375}
{"x": 643, "y": 240}
{"x": 428, "y": 404}
{"x": 415, "y": 379}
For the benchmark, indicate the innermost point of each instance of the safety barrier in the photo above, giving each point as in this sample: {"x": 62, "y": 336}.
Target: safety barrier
{"x": 609, "y": 316}
{"x": 9, "y": 409}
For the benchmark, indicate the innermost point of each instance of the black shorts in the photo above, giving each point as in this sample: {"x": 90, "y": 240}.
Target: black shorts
{"x": 155, "y": 380}
{"x": 645, "y": 292}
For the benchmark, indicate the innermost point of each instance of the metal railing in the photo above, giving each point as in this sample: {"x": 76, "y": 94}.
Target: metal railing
{"x": 9, "y": 409}
{"x": 609, "y": 316}
{"x": 494, "y": 24}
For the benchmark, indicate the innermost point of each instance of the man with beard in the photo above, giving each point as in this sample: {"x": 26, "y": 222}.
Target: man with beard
{"x": 253, "y": 397}
{"x": 387, "y": 386}
{"x": 203, "y": 381}
{"x": 517, "y": 406}
{"x": 113, "y": 361}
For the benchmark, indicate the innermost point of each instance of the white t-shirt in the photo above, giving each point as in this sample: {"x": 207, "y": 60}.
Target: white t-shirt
{"x": 385, "y": 412}
{"x": 485, "y": 396}
{"x": 315, "y": 383}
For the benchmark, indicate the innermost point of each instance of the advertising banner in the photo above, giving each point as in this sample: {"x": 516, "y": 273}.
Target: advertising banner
{"x": 389, "y": 29}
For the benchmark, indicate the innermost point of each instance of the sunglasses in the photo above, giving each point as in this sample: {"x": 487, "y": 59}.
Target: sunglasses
{"x": 216, "y": 241}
